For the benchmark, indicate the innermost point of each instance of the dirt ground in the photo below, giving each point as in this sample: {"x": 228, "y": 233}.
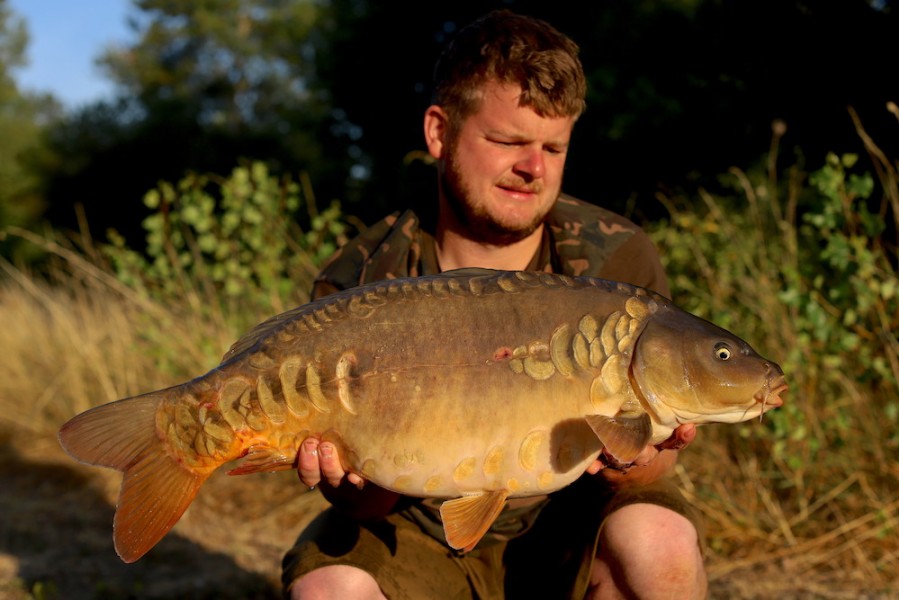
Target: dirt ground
{"x": 56, "y": 538}
{"x": 56, "y": 532}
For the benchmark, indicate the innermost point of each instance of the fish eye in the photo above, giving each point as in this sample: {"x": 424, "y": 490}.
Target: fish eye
{"x": 722, "y": 351}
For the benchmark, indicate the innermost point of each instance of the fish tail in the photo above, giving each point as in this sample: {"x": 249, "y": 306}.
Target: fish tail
{"x": 156, "y": 487}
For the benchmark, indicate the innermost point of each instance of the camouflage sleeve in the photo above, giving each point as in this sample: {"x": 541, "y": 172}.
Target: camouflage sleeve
{"x": 321, "y": 288}
{"x": 637, "y": 262}
{"x": 343, "y": 270}
{"x": 591, "y": 240}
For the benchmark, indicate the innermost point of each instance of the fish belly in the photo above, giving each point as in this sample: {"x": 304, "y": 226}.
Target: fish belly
{"x": 438, "y": 394}
{"x": 445, "y": 431}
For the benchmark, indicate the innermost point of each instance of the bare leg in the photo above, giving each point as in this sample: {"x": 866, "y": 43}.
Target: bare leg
{"x": 648, "y": 552}
{"x": 335, "y": 583}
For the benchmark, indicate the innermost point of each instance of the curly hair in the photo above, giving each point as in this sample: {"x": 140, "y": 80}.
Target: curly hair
{"x": 513, "y": 49}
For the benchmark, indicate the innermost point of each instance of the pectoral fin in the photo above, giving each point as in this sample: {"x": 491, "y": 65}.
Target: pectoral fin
{"x": 624, "y": 435}
{"x": 265, "y": 459}
{"x": 467, "y": 519}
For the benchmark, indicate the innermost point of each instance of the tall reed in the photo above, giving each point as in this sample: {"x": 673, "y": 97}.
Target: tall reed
{"x": 803, "y": 504}
{"x": 805, "y": 266}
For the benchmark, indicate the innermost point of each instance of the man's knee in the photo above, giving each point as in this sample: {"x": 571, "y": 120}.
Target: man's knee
{"x": 644, "y": 549}
{"x": 336, "y": 582}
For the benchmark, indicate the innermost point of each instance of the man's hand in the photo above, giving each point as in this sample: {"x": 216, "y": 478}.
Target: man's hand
{"x": 319, "y": 465}
{"x": 620, "y": 475}
{"x": 319, "y": 460}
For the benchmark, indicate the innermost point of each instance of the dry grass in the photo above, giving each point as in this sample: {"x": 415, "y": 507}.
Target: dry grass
{"x": 80, "y": 342}
{"x": 56, "y": 539}
{"x": 841, "y": 544}
{"x": 809, "y": 509}
{"x": 805, "y": 505}
{"x": 70, "y": 347}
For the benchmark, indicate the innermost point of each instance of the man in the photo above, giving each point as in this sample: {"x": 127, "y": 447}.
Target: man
{"x": 508, "y": 91}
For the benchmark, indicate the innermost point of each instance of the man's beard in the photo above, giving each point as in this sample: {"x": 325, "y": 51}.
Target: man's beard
{"x": 479, "y": 225}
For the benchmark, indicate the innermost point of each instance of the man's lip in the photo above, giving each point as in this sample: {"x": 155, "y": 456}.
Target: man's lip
{"x": 515, "y": 191}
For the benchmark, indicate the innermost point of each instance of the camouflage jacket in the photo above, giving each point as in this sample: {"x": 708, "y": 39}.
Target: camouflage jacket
{"x": 580, "y": 239}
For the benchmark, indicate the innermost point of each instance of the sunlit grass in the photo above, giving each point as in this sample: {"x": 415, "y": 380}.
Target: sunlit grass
{"x": 804, "y": 503}
{"x": 82, "y": 339}
{"x": 77, "y": 338}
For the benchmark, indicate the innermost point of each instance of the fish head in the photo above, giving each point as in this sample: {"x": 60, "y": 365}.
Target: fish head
{"x": 688, "y": 370}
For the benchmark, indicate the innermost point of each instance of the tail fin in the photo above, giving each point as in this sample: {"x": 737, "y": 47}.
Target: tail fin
{"x": 156, "y": 489}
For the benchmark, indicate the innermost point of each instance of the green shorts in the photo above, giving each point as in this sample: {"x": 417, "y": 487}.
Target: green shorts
{"x": 551, "y": 560}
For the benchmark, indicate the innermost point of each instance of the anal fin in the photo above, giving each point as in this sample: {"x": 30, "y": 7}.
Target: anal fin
{"x": 264, "y": 459}
{"x": 625, "y": 435}
{"x": 467, "y": 519}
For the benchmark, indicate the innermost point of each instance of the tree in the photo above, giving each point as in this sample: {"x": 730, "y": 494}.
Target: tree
{"x": 21, "y": 116}
{"x": 205, "y": 85}
{"x": 678, "y": 92}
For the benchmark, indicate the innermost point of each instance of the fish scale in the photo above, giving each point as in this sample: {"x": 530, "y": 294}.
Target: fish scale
{"x": 474, "y": 386}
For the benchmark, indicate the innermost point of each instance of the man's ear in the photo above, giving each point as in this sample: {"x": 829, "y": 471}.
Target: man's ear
{"x": 436, "y": 125}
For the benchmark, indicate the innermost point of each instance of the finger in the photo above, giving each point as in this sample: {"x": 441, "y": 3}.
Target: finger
{"x": 355, "y": 480}
{"x": 308, "y": 464}
{"x": 331, "y": 468}
{"x": 686, "y": 433}
{"x": 595, "y": 467}
{"x": 680, "y": 439}
{"x": 646, "y": 456}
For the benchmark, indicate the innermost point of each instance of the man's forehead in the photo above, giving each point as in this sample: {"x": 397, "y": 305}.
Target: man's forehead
{"x": 501, "y": 109}
{"x": 512, "y": 93}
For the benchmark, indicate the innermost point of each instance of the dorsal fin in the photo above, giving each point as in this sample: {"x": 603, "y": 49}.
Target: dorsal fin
{"x": 470, "y": 272}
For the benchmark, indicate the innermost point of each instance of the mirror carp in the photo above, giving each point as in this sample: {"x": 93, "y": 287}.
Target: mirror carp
{"x": 472, "y": 385}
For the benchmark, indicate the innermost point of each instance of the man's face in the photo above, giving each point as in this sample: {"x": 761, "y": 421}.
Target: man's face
{"x": 501, "y": 171}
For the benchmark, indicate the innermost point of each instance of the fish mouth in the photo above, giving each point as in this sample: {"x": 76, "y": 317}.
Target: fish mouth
{"x": 769, "y": 396}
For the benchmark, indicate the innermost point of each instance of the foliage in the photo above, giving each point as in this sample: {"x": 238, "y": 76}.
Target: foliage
{"x": 233, "y": 240}
{"x": 844, "y": 291}
{"x": 237, "y": 65}
{"x": 327, "y": 87}
{"x": 815, "y": 280}
{"x": 202, "y": 86}
{"x": 810, "y": 492}
{"x": 807, "y": 269}
{"x": 21, "y": 115}
{"x": 651, "y": 116}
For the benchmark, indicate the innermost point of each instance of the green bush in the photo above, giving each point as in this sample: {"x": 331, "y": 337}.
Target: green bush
{"x": 806, "y": 271}
{"x": 232, "y": 244}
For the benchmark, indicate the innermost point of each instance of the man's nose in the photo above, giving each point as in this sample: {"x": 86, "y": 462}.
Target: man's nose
{"x": 531, "y": 163}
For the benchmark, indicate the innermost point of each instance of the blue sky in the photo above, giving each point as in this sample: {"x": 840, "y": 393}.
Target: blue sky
{"x": 66, "y": 37}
